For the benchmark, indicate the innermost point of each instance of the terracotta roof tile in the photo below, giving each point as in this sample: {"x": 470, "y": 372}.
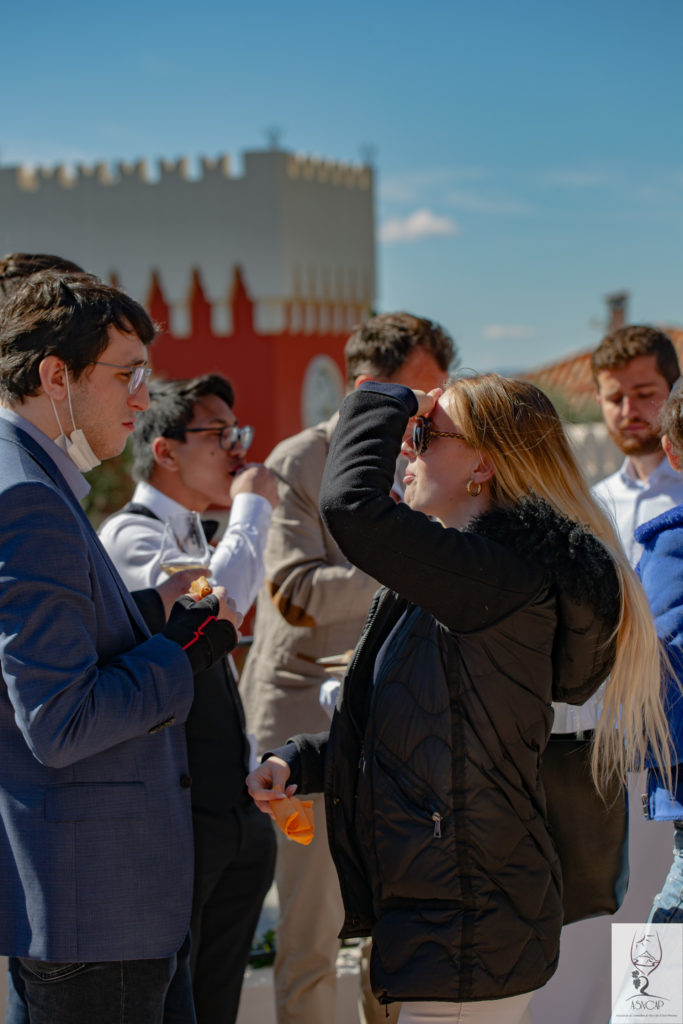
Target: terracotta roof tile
{"x": 571, "y": 377}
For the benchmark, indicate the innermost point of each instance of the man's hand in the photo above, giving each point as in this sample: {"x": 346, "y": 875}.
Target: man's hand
{"x": 179, "y": 583}
{"x": 262, "y": 781}
{"x": 227, "y": 608}
{"x": 205, "y": 629}
{"x": 256, "y": 479}
{"x": 174, "y": 586}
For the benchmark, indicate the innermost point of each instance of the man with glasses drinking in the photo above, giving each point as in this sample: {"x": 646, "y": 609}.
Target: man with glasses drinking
{"x": 95, "y": 816}
{"x": 190, "y": 453}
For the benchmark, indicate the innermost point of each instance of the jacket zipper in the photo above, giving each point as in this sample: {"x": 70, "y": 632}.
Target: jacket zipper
{"x": 372, "y": 615}
{"x": 413, "y": 795}
{"x": 378, "y": 599}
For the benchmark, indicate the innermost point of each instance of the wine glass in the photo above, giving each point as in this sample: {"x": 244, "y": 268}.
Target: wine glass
{"x": 184, "y": 544}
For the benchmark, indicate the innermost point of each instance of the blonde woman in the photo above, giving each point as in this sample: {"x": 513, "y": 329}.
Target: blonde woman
{"x": 504, "y": 589}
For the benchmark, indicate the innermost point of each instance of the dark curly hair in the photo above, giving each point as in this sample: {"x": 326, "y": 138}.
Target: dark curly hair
{"x": 617, "y": 349}
{"x": 671, "y": 417}
{"x": 171, "y": 408}
{"x": 382, "y": 344}
{"x": 64, "y": 315}
{"x": 15, "y": 267}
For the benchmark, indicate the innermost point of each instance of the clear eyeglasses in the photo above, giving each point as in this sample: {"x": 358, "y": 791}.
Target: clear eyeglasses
{"x": 137, "y": 375}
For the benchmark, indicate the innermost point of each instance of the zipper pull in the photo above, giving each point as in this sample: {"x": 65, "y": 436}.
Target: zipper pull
{"x": 436, "y": 818}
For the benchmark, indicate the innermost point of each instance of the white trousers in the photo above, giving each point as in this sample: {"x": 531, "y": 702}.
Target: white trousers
{"x": 488, "y": 1011}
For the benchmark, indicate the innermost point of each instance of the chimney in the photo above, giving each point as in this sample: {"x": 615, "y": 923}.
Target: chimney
{"x": 617, "y": 310}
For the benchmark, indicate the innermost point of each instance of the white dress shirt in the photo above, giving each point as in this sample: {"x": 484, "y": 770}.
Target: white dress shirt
{"x": 134, "y": 544}
{"x": 632, "y": 501}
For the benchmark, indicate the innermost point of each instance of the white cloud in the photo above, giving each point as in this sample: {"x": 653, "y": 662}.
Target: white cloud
{"x": 420, "y": 224}
{"x": 507, "y": 332}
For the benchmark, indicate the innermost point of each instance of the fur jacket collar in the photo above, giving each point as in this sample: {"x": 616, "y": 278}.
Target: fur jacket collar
{"x": 576, "y": 560}
{"x": 580, "y": 569}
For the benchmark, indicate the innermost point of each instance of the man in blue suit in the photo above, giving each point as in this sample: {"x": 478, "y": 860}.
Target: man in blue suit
{"x": 95, "y": 818}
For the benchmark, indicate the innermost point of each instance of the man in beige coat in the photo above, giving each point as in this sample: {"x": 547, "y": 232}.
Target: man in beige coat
{"x": 313, "y": 604}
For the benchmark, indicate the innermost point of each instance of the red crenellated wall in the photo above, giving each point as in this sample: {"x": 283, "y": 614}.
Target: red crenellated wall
{"x": 266, "y": 370}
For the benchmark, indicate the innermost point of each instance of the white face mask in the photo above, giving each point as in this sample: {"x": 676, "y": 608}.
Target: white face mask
{"x": 76, "y": 447}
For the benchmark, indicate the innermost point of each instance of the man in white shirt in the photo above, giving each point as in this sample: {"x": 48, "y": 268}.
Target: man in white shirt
{"x": 634, "y": 369}
{"x": 189, "y": 453}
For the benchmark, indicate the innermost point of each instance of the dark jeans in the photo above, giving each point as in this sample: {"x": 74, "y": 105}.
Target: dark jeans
{"x": 121, "y": 992}
{"x": 668, "y": 905}
{"x": 234, "y": 864}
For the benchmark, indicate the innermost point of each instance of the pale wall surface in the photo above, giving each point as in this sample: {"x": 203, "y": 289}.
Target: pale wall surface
{"x": 598, "y": 456}
{"x": 300, "y": 228}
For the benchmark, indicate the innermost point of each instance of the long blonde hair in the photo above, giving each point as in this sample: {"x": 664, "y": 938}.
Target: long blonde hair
{"x": 517, "y": 427}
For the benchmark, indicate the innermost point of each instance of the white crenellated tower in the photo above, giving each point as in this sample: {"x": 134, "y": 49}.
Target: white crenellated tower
{"x": 300, "y": 228}
{"x": 259, "y": 275}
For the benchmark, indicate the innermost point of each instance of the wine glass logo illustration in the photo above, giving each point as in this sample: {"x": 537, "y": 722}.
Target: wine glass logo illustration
{"x": 646, "y": 956}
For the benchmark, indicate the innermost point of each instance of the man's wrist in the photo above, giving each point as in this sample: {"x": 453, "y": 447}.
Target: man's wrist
{"x": 194, "y": 626}
{"x": 251, "y": 509}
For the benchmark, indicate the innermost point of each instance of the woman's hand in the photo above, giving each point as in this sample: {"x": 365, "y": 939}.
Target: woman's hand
{"x": 426, "y": 400}
{"x": 262, "y": 783}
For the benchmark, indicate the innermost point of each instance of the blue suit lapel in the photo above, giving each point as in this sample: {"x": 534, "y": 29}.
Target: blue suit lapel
{"x": 15, "y": 435}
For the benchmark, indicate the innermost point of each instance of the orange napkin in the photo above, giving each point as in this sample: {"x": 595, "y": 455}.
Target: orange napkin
{"x": 295, "y": 818}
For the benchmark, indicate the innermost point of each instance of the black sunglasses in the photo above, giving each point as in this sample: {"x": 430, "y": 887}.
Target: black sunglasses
{"x": 423, "y": 432}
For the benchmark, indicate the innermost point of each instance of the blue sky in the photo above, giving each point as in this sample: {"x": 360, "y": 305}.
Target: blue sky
{"x": 529, "y": 155}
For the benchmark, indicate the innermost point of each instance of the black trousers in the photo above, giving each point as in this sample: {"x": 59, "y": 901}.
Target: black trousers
{"x": 112, "y": 992}
{"x": 234, "y": 864}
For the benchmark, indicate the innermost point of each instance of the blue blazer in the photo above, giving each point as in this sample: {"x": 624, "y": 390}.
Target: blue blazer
{"x": 95, "y": 822}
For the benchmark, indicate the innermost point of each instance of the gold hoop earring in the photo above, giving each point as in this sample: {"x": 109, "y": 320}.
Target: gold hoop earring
{"x": 474, "y": 490}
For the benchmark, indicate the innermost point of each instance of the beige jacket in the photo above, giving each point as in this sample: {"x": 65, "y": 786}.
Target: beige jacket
{"x": 313, "y": 602}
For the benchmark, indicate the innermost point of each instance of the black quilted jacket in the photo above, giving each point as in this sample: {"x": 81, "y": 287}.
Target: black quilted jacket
{"x": 436, "y": 815}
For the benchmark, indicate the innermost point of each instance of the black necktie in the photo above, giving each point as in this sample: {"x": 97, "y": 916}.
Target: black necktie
{"x": 210, "y": 528}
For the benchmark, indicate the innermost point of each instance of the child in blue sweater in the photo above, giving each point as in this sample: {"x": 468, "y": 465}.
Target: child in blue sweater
{"x": 661, "y": 572}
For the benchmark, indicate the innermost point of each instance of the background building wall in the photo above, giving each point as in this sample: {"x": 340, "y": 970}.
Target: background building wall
{"x": 255, "y": 275}
{"x": 596, "y": 453}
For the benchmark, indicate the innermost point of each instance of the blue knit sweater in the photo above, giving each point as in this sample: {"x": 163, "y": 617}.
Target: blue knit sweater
{"x": 661, "y": 572}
